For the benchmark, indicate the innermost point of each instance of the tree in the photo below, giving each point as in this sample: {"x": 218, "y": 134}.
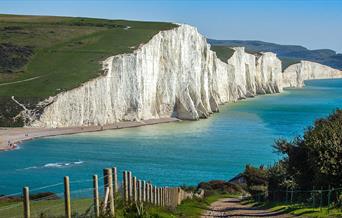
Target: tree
{"x": 315, "y": 159}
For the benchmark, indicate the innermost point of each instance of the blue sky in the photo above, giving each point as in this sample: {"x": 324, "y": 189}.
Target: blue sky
{"x": 311, "y": 23}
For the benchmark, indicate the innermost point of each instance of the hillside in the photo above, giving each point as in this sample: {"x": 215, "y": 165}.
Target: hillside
{"x": 42, "y": 56}
{"x": 289, "y": 54}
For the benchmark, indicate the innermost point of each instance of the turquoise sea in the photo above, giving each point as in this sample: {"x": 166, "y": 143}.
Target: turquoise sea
{"x": 175, "y": 153}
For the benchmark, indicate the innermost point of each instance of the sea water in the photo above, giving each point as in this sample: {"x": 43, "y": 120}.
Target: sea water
{"x": 179, "y": 153}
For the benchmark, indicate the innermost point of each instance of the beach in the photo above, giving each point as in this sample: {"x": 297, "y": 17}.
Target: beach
{"x": 10, "y": 138}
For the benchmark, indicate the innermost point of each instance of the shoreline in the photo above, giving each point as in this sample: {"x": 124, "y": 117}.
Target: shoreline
{"x": 10, "y": 138}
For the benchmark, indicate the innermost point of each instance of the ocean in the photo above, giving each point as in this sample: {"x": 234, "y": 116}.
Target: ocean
{"x": 187, "y": 152}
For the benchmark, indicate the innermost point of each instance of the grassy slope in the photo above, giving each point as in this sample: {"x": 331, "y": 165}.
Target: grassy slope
{"x": 223, "y": 52}
{"x": 67, "y": 51}
{"x": 324, "y": 56}
{"x": 191, "y": 208}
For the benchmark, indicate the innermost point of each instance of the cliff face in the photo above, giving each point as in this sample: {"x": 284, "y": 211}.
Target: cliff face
{"x": 174, "y": 74}
{"x": 295, "y": 74}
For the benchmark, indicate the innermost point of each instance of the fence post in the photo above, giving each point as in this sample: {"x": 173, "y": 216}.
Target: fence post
{"x": 163, "y": 196}
{"x": 147, "y": 192}
{"x": 321, "y": 198}
{"x": 167, "y": 196}
{"x": 135, "y": 189}
{"x": 151, "y": 194}
{"x": 96, "y": 196}
{"x": 130, "y": 186}
{"x": 313, "y": 197}
{"x": 144, "y": 191}
{"x": 115, "y": 180}
{"x": 291, "y": 195}
{"x": 160, "y": 196}
{"x": 329, "y": 197}
{"x": 108, "y": 183}
{"x": 155, "y": 195}
{"x": 287, "y": 194}
{"x": 125, "y": 185}
{"x": 139, "y": 187}
{"x": 67, "y": 197}
{"x": 26, "y": 202}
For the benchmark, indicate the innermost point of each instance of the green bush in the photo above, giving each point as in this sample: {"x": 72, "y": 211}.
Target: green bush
{"x": 315, "y": 158}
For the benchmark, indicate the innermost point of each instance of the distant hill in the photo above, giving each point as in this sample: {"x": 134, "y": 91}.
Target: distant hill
{"x": 287, "y": 53}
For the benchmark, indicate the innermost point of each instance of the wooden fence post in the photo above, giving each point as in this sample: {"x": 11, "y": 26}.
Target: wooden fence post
{"x": 125, "y": 186}
{"x": 108, "y": 183}
{"x": 115, "y": 180}
{"x": 26, "y": 202}
{"x": 166, "y": 196}
{"x": 155, "y": 195}
{"x": 144, "y": 191}
{"x": 158, "y": 196}
{"x": 151, "y": 194}
{"x": 96, "y": 196}
{"x": 130, "y": 186}
{"x": 134, "y": 189}
{"x": 139, "y": 187}
{"x": 67, "y": 197}
{"x": 148, "y": 193}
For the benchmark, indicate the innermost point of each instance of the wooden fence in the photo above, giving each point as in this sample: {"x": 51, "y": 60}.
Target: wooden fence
{"x": 133, "y": 190}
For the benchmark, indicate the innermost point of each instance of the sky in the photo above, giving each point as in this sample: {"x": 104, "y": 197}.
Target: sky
{"x": 314, "y": 24}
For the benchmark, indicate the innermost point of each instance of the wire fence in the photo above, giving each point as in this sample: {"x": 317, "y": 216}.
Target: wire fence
{"x": 89, "y": 197}
{"x": 315, "y": 198}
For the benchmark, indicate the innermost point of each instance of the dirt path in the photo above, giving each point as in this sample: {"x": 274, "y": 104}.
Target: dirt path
{"x": 20, "y": 81}
{"x": 231, "y": 207}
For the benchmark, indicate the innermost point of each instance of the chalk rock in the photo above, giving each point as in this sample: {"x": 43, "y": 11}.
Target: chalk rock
{"x": 175, "y": 74}
{"x": 296, "y": 74}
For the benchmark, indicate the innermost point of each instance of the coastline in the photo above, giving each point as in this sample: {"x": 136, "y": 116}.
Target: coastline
{"x": 10, "y": 138}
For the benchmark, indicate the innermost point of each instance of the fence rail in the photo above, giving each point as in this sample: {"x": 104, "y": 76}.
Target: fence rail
{"x": 328, "y": 197}
{"x": 89, "y": 201}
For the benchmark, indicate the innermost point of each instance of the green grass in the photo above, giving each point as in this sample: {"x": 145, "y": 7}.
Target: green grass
{"x": 297, "y": 209}
{"x": 190, "y": 208}
{"x": 49, "y": 208}
{"x": 67, "y": 51}
{"x": 223, "y": 52}
{"x": 286, "y": 62}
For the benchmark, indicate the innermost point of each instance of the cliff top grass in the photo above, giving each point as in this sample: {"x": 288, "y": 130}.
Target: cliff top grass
{"x": 223, "y": 52}
{"x": 41, "y": 56}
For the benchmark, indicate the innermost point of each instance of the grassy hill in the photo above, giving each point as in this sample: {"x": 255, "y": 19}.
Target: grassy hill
{"x": 289, "y": 54}
{"x": 41, "y": 56}
{"x": 62, "y": 52}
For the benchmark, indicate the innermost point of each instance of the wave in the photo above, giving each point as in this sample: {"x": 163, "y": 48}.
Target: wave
{"x": 55, "y": 165}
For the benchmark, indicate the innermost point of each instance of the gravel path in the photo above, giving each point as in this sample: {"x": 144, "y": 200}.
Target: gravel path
{"x": 20, "y": 81}
{"x": 231, "y": 207}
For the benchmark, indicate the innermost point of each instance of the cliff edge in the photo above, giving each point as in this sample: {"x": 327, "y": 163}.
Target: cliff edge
{"x": 175, "y": 74}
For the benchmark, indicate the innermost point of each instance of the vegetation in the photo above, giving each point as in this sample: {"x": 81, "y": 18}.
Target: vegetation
{"x": 310, "y": 172}
{"x": 295, "y": 209}
{"x": 315, "y": 158}
{"x": 189, "y": 208}
{"x": 41, "y": 56}
{"x": 286, "y": 52}
{"x": 223, "y": 52}
{"x": 286, "y": 62}
{"x": 67, "y": 51}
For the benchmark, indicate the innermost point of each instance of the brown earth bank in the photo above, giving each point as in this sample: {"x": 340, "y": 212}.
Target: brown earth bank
{"x": 232, "y": 207}
{"x": 10, "y": 138}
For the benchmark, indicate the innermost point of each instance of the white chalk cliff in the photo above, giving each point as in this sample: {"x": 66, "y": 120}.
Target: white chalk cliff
{"x": 296, "y": 74}
{"x": 175, "y": 74}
